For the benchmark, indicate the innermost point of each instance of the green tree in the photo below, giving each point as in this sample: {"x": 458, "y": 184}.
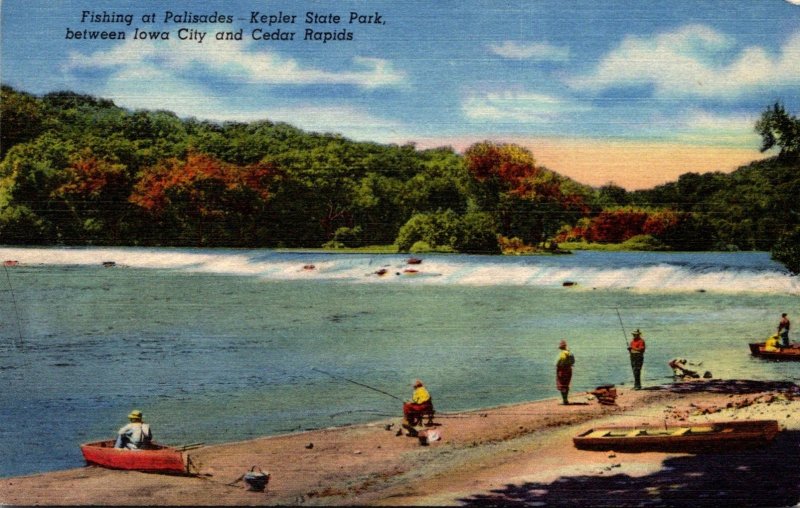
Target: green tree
{"x": 610, "y": 195}
{"x": 777, "y": 128}
{"x": 478, "y": 234}
{"x": 29, "y": 176}
{"x": 438, "y": 229}
{"x": 787, "y": 251}
{"x": 21, "y": 116}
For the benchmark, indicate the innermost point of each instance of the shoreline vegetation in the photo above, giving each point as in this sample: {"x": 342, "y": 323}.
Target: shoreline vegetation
{"x": 79, "y": 170}
{"x": 636, "y": 244}
{"x": 513, "y": 454}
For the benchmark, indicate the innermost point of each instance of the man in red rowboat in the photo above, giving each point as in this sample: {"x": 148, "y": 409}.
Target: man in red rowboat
{"x": 636, "y": 350}
{"x": 564, "y": 365}
{"x": 420, "y": 405}
{"x": 136, "y": 435}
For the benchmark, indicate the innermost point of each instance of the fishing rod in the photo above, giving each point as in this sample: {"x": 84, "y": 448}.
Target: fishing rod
{"x": 624, "y": 333}
{"x": 357, "y": 383}
{"x": 14, "y": 301}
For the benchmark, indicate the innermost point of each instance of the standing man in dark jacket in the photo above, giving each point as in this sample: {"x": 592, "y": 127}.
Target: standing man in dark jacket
{"x": 783, "y": 329}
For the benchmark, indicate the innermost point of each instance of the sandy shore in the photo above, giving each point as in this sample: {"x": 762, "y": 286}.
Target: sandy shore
{"x": 520, "y": 454}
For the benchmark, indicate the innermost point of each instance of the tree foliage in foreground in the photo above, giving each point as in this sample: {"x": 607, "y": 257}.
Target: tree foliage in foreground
{"x": 787, "y": 251}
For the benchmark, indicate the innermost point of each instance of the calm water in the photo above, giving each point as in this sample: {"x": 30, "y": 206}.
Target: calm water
{"x": 221, "y": 345}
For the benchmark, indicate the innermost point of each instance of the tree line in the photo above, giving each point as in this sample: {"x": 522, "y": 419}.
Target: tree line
{"x": 79, "y": 170}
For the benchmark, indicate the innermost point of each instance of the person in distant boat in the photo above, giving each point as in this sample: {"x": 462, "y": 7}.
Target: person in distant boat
{"x": 783, "y": 329}
{"x": 772, "y": 343}
{"x": 135, "y": 435}
{"x": 636, "y": 351}
{"x": 419, "y": 406}
{"x": 564, "y": 365}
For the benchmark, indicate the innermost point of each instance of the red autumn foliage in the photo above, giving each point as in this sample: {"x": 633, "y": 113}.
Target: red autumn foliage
{"x": 90, "y": 178}
{"x": 616, "y": 226}
{"x": 509, "y": 164}
{"x": 200, "y": 180}
{"x": 619, "y": 225}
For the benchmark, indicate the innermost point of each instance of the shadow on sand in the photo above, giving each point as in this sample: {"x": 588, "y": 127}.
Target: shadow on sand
{"x": 738, "y": 386}
{"x": 764, "y": 477}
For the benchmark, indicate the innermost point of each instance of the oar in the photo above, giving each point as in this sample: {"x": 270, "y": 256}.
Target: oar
{"x": 190, "y": 446}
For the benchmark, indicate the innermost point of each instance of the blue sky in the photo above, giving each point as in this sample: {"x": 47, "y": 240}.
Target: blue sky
{"x": 634, "y": 91}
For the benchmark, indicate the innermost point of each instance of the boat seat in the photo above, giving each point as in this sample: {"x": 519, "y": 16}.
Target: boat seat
{"x": 681, "y": 431}
{"x": 634, "y": 433}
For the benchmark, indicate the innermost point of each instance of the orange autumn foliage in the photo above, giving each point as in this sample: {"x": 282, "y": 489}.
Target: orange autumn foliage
{"x": 200, "y": 180}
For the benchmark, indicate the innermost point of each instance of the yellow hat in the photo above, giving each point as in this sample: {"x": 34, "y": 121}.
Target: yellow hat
{"x": 135, "y": 415}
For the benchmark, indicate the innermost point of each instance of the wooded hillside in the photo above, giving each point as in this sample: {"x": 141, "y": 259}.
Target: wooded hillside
{"x": 78, "y": 170}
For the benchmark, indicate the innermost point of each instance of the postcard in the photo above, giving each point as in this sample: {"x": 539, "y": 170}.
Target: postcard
{"x": 424, "y": 252}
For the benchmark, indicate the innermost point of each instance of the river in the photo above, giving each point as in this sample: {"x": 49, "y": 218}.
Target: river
{"x": 223, "y": 345}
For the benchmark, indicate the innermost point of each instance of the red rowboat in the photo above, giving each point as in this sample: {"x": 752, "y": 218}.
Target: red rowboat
{"x": 687, "y": 438}
{"x": 786, "y": 353}
{"x": 155, "y": 459}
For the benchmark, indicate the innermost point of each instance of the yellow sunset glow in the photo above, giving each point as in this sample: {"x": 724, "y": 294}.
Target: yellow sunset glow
{"x": 632, "y": 165}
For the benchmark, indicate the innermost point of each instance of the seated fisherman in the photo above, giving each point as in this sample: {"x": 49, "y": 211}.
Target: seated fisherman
{"x": 419, "y": 406}
{"x": 135, "y": 435}
{"x": 773, "y": 343}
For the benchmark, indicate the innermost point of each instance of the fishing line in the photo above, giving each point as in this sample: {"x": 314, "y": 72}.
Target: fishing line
{"x": 14, "y": 301}
{"x": 357, "y": 383}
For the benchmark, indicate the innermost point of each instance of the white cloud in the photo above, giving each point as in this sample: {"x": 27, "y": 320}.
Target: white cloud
{"x": 149, "y": 75}
{"x": 233, "y": 62}
{"x": 531, "y": 51}
{"x": 694, "y": 61}
{"x": 348, "y": 121}
{"x": 702, "y": 127}
{"x": 520, "y": 107}
{"x": 151, "y": 88}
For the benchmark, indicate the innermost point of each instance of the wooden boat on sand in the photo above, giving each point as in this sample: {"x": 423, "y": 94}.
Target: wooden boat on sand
{"x": 155, "y": 459}
{"x": 787, "y": 353}
{"x": 689, "y": 438}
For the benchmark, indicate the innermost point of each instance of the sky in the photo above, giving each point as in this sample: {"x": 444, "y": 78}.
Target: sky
{"x": 633, "y": 92}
